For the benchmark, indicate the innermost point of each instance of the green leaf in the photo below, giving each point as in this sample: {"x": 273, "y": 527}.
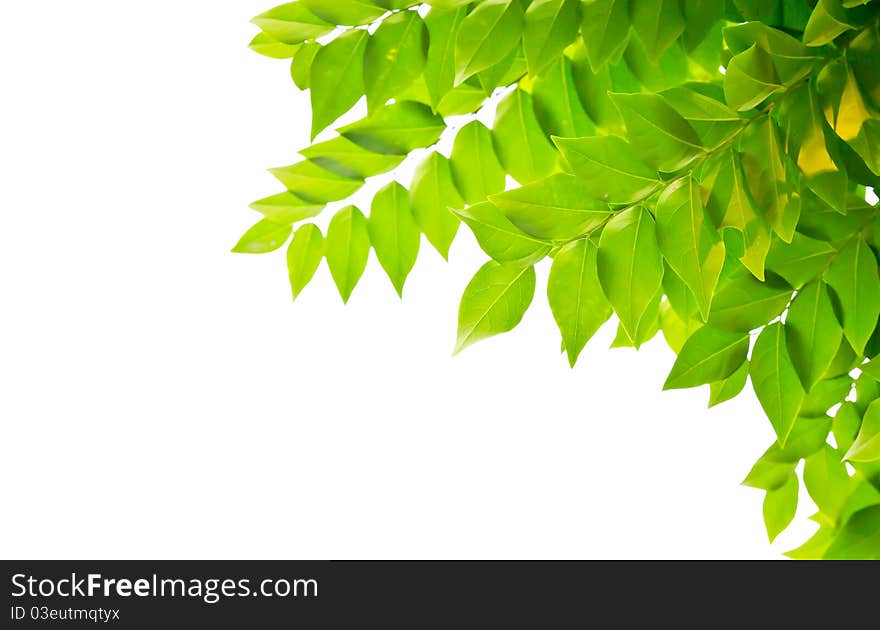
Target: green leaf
{"x": 666, "y": 141}
{"x": 689, "y": 241}
{"x": 750, "y": 78}
{"x": 494, "y": 301}
{"x": 396, "y": 129}
{"x": 609, "y": 168}
{"x": 725, "y": 389}
{"x": 475, "y": 167}
{"x": 346, "y": 12}
{"x": 557, "y": 104}
{"x": 771, "y": 471}
{"x": 658, "y": 24}
{"x": 393, "y": 233}
{"x": 270, "y": 47}
{"x": 676, "y": 330}
{"x": 827, "y": 483}
{"x": 807, "y": 437}
{"x": 286, "y": 208}
{"x": 714, "y": 122}
{"x": 347, "y": 247}
{"x": 872, "y": 368}
{"x": 315, "y": 184}
{"x": 812, "y": 332}
{"x": 304, "y": 254}
{"x": 264, "y": 236}
{"x": 630, "y": 265}
{"x": 555, "y": 208}
{"x": 498, "y": 237}
{"x": 709, "y": 355}
{"x": 605, "y": 28}
{"x": 801, "y": 260}
{"x": 336, "y": 79}
{"x": 550, "y": 26}
{"x": 349, "y": 160}
{"x": 859, "y": 539}
{"x": 575, "y": 295}
{"x": 780, "y": 506}
{"x": 699, "y": 18}
{"x": 827, "y": 21}
{"x": 742, "y": 303}
{"x": 432, "y": 193}
{"x": 443, "y": 26}
{"x": 824, "y": 394}
{"x": 866, "y": 447}
{"x": 292, "y": 23}
{"x": 815, "y": 547}
{"x": 854, "y": 278}
{"x": 486, "y": 36}
{"x": 394, "y": 57}
{"x": 522, "y": 147}
{"x": 775, "y": 380}
{"x": 791, "y": 60}
{"x": 301, "y": 65}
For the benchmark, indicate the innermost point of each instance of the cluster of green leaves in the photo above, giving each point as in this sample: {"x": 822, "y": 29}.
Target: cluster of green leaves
{"x": 696, "y": 167}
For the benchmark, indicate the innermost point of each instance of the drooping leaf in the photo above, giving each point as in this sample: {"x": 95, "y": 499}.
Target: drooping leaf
{"x": 393, "y": 233}
{"x": 394, "y": 57}
{"x": 557, "y": 104}
{"x": 709, "y": 355}
{"x": 336, "y": 79}
{"x": 431, "y": 195}
{"x": 604, "y": 27}
{"x": 346, "y": 248}
{"x": 775, "y": 380}
{"x": 304, "y": 254}
{"x": 486, "y": 36}
{"x": 658, "y": 24}
{"x": 827, "y": 21}
{"x": 854, "y": 278}
{"x": 475, "y": 167}
{"x": 575, "y": 295}
{"x": 498, "y": 237}
{"x": 550, "y": 26}
{"x": 554, "y": 208}
{"x": 301, "y": 65}
{"x": 812, "y": 332}
{"x": 688, "y": 240}
{"x": 494, "y": 301}
{"x": 866, "y": 447}
{"x": 780, "y": 505}
{"x": 443, "y": 26}
{"x": 521, "y": 145}
{"x": 630, "y": 265}
{"x": 827, "y": 483}
{"x": 609, "y": 168}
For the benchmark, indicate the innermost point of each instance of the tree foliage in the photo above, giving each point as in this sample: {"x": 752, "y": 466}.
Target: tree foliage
{"x": 697, "y": 167}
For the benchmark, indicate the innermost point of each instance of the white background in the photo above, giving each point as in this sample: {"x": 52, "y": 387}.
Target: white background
{"x": 162, "y": 397}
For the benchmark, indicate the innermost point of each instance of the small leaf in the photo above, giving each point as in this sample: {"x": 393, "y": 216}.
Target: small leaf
{"x": 689, "y": 241}
{"x": 775, "y": 380}
{"x": 854, "y": 278}
{"x": 605, "y": 28}
{"x": 301, "y": 65}
{"x": 494, "y": 301}
{"x": 557, "y": 104}
{"x": 336, "y": 78}
{"x": 394, "y": 57}
{"x": 555, "y": 208}
{"x": 396, "y": 129}
{"x": 498, "y": 237}
{"x": 486, "y": 36}
{"x": 609, "y": 168}
{"x": 550, "y": 26}
{"x": 432, "y": 193}
{"x": 709, "y": 355}
{"x": 730, "y": 387}
{"x": 771, "y": 471}
{"x": 304, "y": 254}
{"x": 780, "y": 506}
{"x": 292, "y": 23}
{"x": 393, "y": 233}
{"x": 866, "y": 447}
{"x": 575, "y": 295}
{"x": 347, "y": 247}
{"x": 315, "y": 184}
{"x": 812, "y": 332}
{"x": 346, "y": 12}
{"x": 519, "y": 141}
{"x": 264, "y": 236}
{"x": 666, "y": 141}
{"x": 475, "y": 167}
{"x": 270, "y": 47}
{"x": 286, "y": 208}
{"x": 630, "y": 265}
{"x": 342, "y": 156}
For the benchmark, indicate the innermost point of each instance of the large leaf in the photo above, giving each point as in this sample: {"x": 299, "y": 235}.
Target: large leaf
{"x": 866, "y": 447}
{"x": 396, "y": 129}
{"x": 494, "y": 301}
{"x": 337, "y": 78}
{"x": 304, "y": 254}
{"x": 743, "y": 303}
{"x": 346, "y": 248}
{"x": 486, "y": 36}
{"x": 522, "y": 147}
{"x": 854, "y": 278}
{"x": 475, "y": 167}
{"x": 431, "y": 195}
{"x": 658, "y": 24}
{"x": 689, "y": 241}
{"x": 775, "y": 380}
{"x": 557, "y": 104}
{"x": 342, "y": 156}
{"x": 555, "y": 208}
{"x": 394, "y": 57}
{"x": 801, "y": 260}
{"x": 609, "y": 168}
{"x": 813, "y": 332}
{"x": 604, "y": 27}
{"x": 314, "y": 183}
{"x": 393, "y": 233}
{"x": 630, "y": 266}
{"x": 264, "y": 236}
{"x": 665, "y": 139}
{"x": 709, "y": 355}
{"x": 443, "y": 26}
{"x": 498, "y": 237}
{"x": 859, "y": 539}
{"x": 550, "y": 26}
{"x": 575, "y": 295}
{"x": 780, "y": 506}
